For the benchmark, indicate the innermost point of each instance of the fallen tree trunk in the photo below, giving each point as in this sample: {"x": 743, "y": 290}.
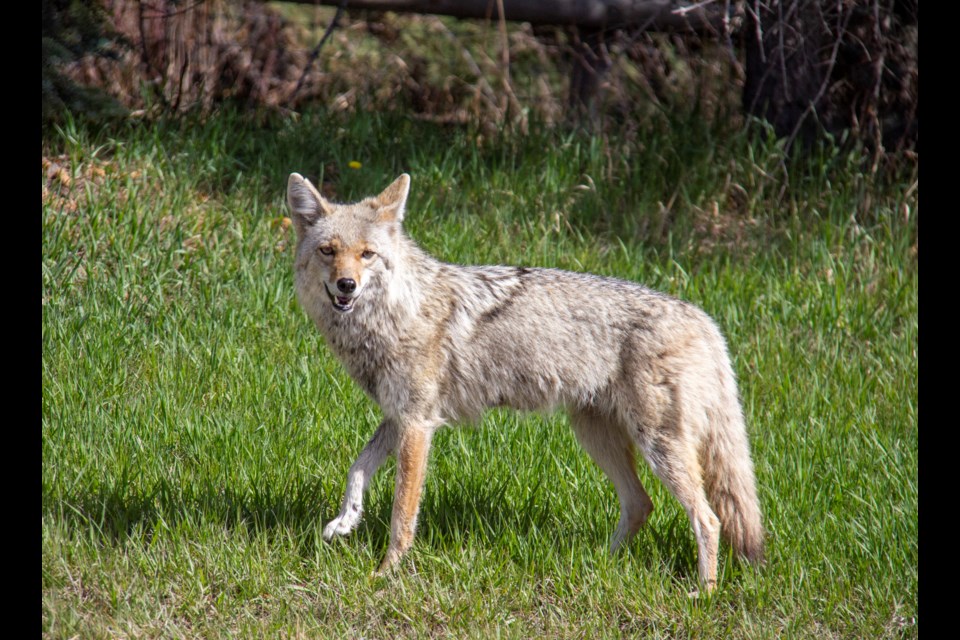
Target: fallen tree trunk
{"x": 655, "y": 15}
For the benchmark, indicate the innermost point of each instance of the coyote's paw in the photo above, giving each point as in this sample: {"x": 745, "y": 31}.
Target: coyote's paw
{"x": 388, "y": 564}
{"x": 704, "y": 591}
{"x": 627, "y": 528}
{"x": 339, "y": 526}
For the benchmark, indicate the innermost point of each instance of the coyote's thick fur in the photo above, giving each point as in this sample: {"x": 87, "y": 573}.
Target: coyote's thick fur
{"x": 435, "y": 343}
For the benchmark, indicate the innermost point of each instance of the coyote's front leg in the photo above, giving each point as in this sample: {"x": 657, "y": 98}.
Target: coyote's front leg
{"x": 412, "y": 452}
{"x": 381, "y": 444}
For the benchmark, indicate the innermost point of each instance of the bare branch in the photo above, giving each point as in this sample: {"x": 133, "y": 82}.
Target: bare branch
{"x": 341, "y": 6}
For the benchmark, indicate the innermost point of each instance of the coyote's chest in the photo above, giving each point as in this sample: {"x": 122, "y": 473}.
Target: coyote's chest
{"x": 373, "y": 359}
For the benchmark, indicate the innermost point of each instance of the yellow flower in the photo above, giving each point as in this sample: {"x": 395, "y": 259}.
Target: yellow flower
{"x": 353, "y": 164}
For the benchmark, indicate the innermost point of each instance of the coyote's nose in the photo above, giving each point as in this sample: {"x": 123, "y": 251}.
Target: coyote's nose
{"x": 346, "y": 285}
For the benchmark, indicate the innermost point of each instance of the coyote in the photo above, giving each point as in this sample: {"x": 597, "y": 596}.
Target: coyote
{"x": 434, "y": 343}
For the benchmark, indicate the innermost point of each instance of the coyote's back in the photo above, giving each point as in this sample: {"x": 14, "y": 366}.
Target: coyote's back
{"x": 434, "y": 343}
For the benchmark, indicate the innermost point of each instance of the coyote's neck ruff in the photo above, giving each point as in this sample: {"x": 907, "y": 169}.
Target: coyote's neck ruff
{"x": 434, "y": 343}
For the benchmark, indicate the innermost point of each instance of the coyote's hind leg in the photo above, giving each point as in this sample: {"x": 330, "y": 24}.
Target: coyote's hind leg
{"x": 613, "y": 451}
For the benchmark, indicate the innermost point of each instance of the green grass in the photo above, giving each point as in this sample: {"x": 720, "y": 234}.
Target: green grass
{"x": 196, "y": 434}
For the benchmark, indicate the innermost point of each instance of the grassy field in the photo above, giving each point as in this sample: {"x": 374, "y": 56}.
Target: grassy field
{"x": 196, "y": 433}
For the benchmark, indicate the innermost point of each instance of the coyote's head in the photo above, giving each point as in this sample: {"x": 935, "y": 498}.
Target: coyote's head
{"x": 344, "y": 247}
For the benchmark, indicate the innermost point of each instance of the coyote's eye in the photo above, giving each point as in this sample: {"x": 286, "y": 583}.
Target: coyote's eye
{"x": 325, "y": 250}
{"x": 367, "y": 255}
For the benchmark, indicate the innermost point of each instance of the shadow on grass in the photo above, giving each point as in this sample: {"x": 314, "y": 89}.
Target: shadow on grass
{"x": 447, "y": 518}
{"x": 117, "y": 516}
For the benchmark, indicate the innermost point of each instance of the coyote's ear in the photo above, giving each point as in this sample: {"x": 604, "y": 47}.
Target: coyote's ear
{"x": 393, "y": 200}
{"x": 305, "y": 202}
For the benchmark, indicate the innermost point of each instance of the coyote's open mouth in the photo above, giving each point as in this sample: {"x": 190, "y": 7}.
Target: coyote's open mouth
{"x": 342, "y": 303}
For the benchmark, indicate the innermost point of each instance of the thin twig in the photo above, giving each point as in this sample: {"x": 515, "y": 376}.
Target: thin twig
{"x": 316, "y": 50}
{"x": 812, "y": 105}
{"x": 783, "y": 51}
{"x": 842, "y": 22}
{"x": 682, "y": 11}
{"x": 759, "y": 29}
{"x": 163, "y": 13}
{"x": 183, "y": 74}
{"x": 878, "y": 71}
{"x": 728, "y": 39}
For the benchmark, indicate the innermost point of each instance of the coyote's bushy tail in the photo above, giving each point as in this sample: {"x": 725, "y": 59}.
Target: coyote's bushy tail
{"x": 730, "y": 484}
